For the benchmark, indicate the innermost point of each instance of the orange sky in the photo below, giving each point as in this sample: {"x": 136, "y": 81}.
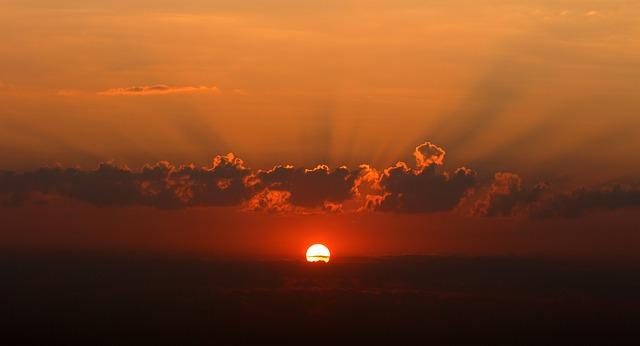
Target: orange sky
{"x": 514, "y": 84}
{"x": 227, "y": 233}
{"x": 545, "y": 89}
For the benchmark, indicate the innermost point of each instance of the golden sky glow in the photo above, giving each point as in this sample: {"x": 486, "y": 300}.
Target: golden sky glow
{"x": 526, "y": 85}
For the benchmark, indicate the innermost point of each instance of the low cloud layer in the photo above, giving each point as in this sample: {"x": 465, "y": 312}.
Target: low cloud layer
{"x": 160, "y": 185}
{"x": 508, "y": 196}
{"x": 584, "y": 200}
{"x": 425, "y": 187}
{"x": 309, "y": 187}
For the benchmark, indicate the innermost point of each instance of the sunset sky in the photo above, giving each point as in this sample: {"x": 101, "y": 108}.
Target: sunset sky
{"x": 256, "y": 128}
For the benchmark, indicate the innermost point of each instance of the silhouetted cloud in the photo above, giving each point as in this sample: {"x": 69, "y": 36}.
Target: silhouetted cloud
{"x": 580, "y": 201}
{"x": 423, "y": 189}
{"x": 161, "y": 185}
{"x": 428, "y": 154}
{"x": 309, "y": 187}
{"x": 507, "y": 196}
{"x": 158, "y": 89}
{"x": 271, "y": 201}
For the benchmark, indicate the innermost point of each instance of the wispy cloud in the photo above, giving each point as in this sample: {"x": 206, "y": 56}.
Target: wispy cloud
{"x": 158, "y": 89}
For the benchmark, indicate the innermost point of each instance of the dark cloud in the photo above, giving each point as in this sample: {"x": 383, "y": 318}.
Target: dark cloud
{"x": 428, "y": 154}
{"x": 229, "y": 183}
{"x": 310, "y": 187}
{"x": 270, "y": 201}
{"x": 583, "y": 200}
{"x": 507, "y": 196}
{"x": 161, "y": 185}
{"x": 424, "y": 189}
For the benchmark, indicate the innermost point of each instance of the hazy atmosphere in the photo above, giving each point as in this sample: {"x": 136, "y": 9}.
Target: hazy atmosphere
{"x": 229, "y": 130}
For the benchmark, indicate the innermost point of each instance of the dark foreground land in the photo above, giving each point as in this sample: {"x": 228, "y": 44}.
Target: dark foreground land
{"x": 91, "y": 299}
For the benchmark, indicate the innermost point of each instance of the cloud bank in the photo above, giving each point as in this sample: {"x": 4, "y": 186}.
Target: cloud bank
{"x": 584, "y": 200}
{"x": 508, "y": 196}
{"x": 161, "y": 185}
{"x": 427, "y": 187}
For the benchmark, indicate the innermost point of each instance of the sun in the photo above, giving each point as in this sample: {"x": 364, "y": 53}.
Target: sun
{"x": 318, "y": 253}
